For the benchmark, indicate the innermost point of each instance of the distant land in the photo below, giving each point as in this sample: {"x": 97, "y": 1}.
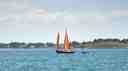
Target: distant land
{"x": 96, "y": 43}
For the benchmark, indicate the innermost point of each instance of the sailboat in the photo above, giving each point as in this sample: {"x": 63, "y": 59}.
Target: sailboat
{"x": 67, "y": 45}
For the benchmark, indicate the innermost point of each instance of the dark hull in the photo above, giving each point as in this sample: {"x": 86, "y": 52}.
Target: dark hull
{"x": 63, "y": 51}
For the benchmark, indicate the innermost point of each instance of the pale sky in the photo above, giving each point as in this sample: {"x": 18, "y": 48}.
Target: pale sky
{"x": 40, "y": 20}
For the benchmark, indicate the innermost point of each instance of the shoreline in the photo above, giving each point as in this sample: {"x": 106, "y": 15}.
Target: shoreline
{"x": 96, "y": 43}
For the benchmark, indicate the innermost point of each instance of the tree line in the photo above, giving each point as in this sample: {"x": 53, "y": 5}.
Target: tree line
{"x": 95, "y": 43}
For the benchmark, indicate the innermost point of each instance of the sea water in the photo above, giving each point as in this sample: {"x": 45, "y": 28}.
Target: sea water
{"x": 46, "y": 59}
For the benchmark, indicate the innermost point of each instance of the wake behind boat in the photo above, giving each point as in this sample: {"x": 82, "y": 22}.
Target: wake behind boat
{"x": 67, "y": 45}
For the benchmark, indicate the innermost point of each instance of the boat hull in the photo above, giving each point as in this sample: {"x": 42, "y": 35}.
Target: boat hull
{"x": 64, "y": 51}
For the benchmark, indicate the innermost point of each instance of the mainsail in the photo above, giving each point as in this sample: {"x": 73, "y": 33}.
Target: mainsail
{"x": 66, "y": 41}
{"x": 58, "y": 38}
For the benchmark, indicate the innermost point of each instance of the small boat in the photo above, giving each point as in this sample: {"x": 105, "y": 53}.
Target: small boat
{"x": 64, "y": 51}
{"x": 67, "y": 45}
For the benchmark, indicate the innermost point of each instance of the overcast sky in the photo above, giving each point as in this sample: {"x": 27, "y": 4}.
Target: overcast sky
{"x": 40, "y": 20}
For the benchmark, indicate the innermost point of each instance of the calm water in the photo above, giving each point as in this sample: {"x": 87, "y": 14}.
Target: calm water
{"x": 47, "y": 59}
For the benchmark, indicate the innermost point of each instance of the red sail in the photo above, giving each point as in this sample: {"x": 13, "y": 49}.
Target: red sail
{"x": 66, "y": 41}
